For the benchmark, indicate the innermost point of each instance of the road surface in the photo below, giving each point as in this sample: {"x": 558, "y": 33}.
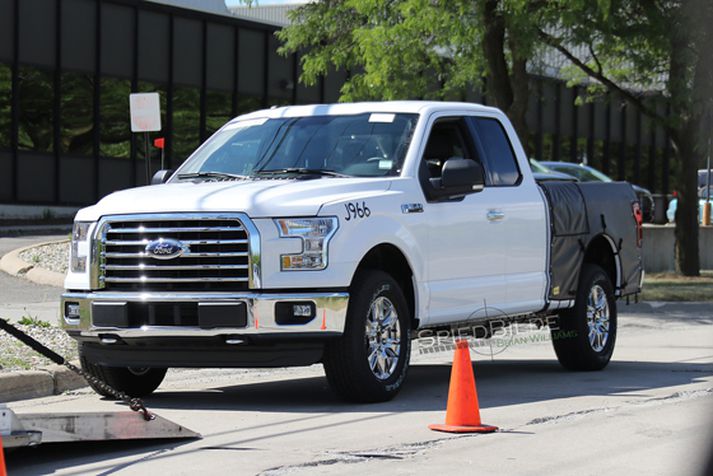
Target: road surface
{"x": 650, "y": 412}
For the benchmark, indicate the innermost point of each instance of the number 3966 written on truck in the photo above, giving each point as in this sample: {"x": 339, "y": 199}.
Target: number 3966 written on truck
{"x": 336, "y": 233}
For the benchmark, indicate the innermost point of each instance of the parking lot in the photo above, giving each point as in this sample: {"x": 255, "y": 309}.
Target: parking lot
{"x": 649, "y": 412}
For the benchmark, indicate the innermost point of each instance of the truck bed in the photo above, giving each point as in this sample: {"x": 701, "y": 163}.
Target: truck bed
{"x": 581, "y": 212}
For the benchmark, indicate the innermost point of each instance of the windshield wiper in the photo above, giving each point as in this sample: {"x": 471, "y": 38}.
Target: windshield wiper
{"x": 218, "y": 175}
{"x": 302, "y": 171}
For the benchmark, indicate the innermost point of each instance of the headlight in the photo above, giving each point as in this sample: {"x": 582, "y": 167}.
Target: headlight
{"x": 315, "y": 234}
{"x": 80, "y": 247}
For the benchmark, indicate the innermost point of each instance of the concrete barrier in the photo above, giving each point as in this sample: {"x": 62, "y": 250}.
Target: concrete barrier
{"x": 659, "y": 242}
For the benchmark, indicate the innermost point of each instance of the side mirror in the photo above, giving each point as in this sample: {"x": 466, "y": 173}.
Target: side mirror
{"x": 459, "y": 177}
{"x": 161, "y": 176}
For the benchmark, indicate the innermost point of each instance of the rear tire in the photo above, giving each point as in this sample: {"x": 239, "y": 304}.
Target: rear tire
{"x": 132, "y": 381}
{"x": 587, "y": 332}
{"x": 370, "y": 361}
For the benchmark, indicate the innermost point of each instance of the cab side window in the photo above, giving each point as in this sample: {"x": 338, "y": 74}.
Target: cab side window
{"x": 448, "y": 139}
{"x": 498, "y": 156}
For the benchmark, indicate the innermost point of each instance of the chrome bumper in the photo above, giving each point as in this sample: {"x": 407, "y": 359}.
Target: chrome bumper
{"x": 330, "y": 315}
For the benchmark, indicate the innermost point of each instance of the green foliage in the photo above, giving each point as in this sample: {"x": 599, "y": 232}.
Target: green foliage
{"x": 400, "y": 49}
{"x": 33, "y": 321}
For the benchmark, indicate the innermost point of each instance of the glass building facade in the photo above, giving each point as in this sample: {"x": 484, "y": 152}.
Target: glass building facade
{"x": 67, "y": 68}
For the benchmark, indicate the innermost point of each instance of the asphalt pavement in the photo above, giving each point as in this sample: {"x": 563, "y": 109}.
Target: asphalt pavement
{"x": 649, "y": 412}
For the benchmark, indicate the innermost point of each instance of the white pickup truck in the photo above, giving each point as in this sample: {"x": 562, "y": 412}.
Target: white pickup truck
{"x": 335, "y": 234}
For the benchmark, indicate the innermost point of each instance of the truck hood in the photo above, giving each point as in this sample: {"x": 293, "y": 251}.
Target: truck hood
{"x": 257, "y": 198}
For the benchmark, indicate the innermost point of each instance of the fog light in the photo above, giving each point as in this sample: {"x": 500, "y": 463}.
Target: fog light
{"x": 299, "y": 312}
{"x": 71, "y": 310}
{"x": 302, "y": 310}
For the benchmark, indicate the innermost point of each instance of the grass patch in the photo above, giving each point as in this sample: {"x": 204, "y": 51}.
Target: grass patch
{"x": 33, "y": 321}
{"x": 672, "y": 287}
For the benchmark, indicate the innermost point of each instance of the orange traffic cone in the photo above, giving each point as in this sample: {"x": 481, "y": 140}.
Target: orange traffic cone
{"x": 3, "y": 472}
{"x": 463, "y": 412}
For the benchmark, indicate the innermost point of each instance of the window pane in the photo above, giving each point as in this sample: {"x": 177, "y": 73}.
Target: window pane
{"x": 76, "y": 108}
{"x": 218, "y": 106}
{"x": 78, "y": 30}
{"x": 251, "y": 61}
{"x": 35, "y": 115}
{"x": 186, "y": 123}
{"x": 5, "y": 103}
{"x": 37, "y": 32}
{"x": 187, "y": 51}
{"x": 280, "y": 81}
{"x": 7, "y": 29}
{"x": 115, "y": 131}
{"x": 499, "y": 157}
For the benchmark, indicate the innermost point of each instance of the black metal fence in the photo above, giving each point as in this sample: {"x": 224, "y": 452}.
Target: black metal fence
{"x": 68, "y": 66}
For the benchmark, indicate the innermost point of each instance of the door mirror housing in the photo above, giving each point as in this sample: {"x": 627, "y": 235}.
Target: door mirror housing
{"x": 161, "y": 176}
{"x": 459, "y": 177}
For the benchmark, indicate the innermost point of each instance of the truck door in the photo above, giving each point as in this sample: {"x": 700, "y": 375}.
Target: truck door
{"x": 520, "y": 224}
{"x": 466, "y": 244}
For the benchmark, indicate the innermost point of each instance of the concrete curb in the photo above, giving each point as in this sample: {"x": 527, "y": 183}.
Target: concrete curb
{"x": 27, "y": 384}
{"x": 12, "y": 264}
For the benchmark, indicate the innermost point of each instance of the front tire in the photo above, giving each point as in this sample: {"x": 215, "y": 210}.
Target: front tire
{"x": 370, "y": 361}
{"x": 134, "y": 382}
{"x": 587, "y": 332}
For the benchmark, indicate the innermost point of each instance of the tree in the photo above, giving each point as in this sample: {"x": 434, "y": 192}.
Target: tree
{"x": 418, "y": 49}
{"x": 650, "y": 43}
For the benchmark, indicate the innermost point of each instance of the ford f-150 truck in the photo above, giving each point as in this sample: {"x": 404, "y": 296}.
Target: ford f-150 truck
{"x": 335, "y": 234}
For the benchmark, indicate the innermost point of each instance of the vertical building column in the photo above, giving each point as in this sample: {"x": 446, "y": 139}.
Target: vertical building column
{"x": 556, "y": 139}
{"x": 575, "y": 126}
{"x": 590, "y": 134}
{"x": 295, "y": 77}
{"x": 622, "y": 145}
{"x": 204, "y": 67}
{"x": 168, "y": 129}
{"x": 637, "y": 157}
{"x": 57, "y": 97}
{"x": 540, "y": 116}
{"x": 134, "y": 89}
{"x": 606, "y": 153}
{"x": 236, "y": 60}
{"x": 266, "y": 67}
{"x": 15, "y": 99}
{"x": 96, "y": 106}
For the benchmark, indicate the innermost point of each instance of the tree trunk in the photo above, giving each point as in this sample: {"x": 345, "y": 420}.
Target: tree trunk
{"x": 508, "y": 86}
{"x": 687, "y": 253}
{"x": 685, "y": 32}
{"x": 520, "y": 85}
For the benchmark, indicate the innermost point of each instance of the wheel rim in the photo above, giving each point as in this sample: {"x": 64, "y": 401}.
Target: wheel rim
{"x": 598, "y": 318}
{"x": 383, "y": 338}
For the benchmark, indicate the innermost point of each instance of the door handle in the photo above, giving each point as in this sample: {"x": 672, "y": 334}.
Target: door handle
{"x": 495, "y": 215}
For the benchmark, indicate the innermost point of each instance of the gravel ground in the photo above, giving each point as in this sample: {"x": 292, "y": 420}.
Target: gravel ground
{"x": 54, "y": 257}
{"x": 14, "y": 355}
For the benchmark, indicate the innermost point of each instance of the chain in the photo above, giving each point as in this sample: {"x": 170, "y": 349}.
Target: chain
{"x": 135, "y": 403}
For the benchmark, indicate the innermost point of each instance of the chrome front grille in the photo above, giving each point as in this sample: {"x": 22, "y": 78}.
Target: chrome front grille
{"x": 217, "y": 253}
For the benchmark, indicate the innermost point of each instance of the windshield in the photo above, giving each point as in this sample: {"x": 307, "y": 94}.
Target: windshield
{"x": 362, "y": 145}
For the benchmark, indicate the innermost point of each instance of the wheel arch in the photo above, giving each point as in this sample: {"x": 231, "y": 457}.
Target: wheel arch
{"x": 392, "y": 260}
{"x": 602, "y": 251}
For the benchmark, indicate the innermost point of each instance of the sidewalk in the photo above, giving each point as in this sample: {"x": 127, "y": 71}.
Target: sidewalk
{"x": 20, "y": 297}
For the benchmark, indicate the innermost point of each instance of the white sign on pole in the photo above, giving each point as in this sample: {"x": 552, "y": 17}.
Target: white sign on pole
{"x": 145, "y": 110}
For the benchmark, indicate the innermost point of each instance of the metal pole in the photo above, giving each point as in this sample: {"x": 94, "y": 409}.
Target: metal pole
{"x": 147, "y": 159}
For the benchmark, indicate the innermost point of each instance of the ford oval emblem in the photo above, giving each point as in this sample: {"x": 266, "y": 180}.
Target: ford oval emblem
{"x": 165, "y": 248}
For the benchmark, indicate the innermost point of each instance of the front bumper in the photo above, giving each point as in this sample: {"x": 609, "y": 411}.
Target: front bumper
{"x": 259, "y": 315}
